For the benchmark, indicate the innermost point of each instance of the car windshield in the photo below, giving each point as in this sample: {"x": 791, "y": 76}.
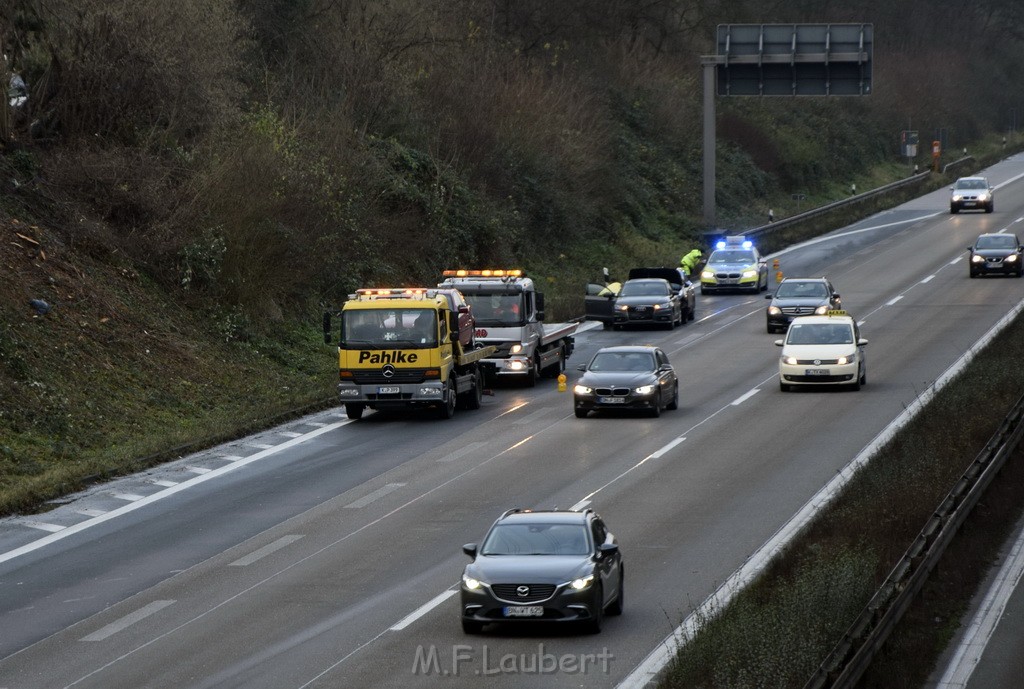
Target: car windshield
{"x": 646, "y": 288}
{"x": 497, "y": 310}
{"x": 622, "y": 361}
{"x": 999, "y": 241}
{"x": 537, "y": 539}
{"x": 972, "y": 184}
{"x": 388, "y": 327}
{"x": 820, "y": 333}
{"x": 802, "y": 289}
{"x": 734, "y": 256}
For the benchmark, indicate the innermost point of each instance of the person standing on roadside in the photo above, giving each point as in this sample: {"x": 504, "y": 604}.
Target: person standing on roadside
{"x": 690, "y": 261}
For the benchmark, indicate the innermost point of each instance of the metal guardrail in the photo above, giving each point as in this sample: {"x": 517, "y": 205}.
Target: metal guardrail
{"x": 865, "y": 637}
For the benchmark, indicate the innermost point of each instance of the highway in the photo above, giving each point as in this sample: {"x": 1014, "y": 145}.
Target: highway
{"x": 327, "y": 553}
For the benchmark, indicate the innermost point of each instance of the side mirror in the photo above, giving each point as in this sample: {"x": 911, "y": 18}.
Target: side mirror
{"x": 970, "y": 248}
{"x": 581, "y": 367}
{"x": 607, "y": 549}
{"x": 778, "y": 343}
{"x": 835, "y": 295}
{"x": 769, "y": 296}
{"x": 861, "y": 342}
{"x": 470, "y": 549}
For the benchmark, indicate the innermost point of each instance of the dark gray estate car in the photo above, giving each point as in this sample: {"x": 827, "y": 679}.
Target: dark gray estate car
{"x": 543, "y": 566}
{"x": 800, "y": 297}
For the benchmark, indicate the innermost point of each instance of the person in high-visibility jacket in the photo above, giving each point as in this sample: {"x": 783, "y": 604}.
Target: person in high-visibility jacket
{"x": 612, "y": 287}
{"x": 690, "y": 261}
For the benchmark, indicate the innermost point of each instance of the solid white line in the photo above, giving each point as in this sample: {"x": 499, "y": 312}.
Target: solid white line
{"x": 318, "y": 424}
{"x": 198, "y": 470}
{"x": 167, "y": 492}
{"x": 423, "y": 610}
{"x": 668, "y": 447}
{"x": 744, "y": 397}
{"x": 379, "y": 493}
{"x": 986, "y": 619}
{"x": 265, "y": 550}
{"x": 928, "y": 279}
{"x": 893, "y": 300}
{"x": 663, "y": 653}
{"x": 128, "y": 620}
{"x": 130, "y": 497}
{"x": 44, "y": 526}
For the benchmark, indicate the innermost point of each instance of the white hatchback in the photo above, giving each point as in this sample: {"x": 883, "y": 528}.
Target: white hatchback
{"x": 823, "y": 350}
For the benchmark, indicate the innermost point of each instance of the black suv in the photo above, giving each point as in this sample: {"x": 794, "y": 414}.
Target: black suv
{"x": 800, "y": 297}
{"x": 543, "y": 566}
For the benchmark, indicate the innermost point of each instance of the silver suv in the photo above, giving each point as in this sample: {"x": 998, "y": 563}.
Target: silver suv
{"x": 971, "y": 193}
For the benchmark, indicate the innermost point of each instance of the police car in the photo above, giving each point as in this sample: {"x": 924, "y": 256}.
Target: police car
{"x": 823, "y": 350}
{"x": 735, "y": 264}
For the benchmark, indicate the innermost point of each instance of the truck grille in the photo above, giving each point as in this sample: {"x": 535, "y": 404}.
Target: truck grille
{"x": 401, "y": 375}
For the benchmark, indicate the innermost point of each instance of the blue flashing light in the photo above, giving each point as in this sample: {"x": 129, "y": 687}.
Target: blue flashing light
{"x": 720, "y": 245}
{"x": 748, "y": 244}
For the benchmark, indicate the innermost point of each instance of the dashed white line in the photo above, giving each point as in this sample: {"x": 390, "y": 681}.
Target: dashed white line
{"x": 230, "y": 458}
{"x": 927, "y": 279}
{"x": 130, "y": 497}
{"x": 530, "y": 418}
{"x": 462, "y": 451}
{"x": 893, "y": 300}
{"x": 375, "y": 495}
{"x": 581, "y": 505}
{"x": 162, "y": 482}
{"x": 92, "y": 513}
{"x": 956, "y": 260}
{"x": 744, "y": 397}
{"x": 668, "y": 447}
{"x": 265, "y": 550}
{"x": 423, "y": 610}
{"x": 262, "y": 446}
{"x": 198, "y": 470}
{"x": 128, "y": 620}
{"x": 289, "y": 434}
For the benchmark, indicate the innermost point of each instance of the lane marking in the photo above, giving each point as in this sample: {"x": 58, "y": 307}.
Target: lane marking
{"x": 744, "y": 397}
{"x": 262, "y": 446}
{"x": 198, "y": 470}
{"x": 162, "y": 482}
{"x": 956, "y": 260}
{"x": 128, "y": 620}
{"x": 530, "y": 418}
{"x": 130, "y": 497}
{"x": 375, "y": 495}
{"x": 893, "y": 300}
{"x": 986, "y": 619}
{"x": 668, "y": 447}
{"x": 462, "y": 451}
{"x": 265, "y": 550}
{"x": 318, "y": 424}
{"x": 92, "y": 513}
{"x": 928, "y": 279}
{"x": 289, "y": 434}
{"x": 423, "y": 610}
{"x": 581, "y": 505}
{"x": 231, "y": 458}
{"x": 165, "y": 493}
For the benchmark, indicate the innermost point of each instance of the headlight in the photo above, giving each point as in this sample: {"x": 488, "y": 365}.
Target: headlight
{"x": 983, "y": 197}
{"x": 622, "y": 308}
{"x": 657, "y": 307}
{"x": 750, "y": 273}
{"x": 789, "y": 360}
{"x": 471, "y": 583}
{"x": 707, "y": 274}
{"x": 582, "y": 390}
{"x": 515, "y": 349}
{"x": 774, "y": 310}
{"x": 848, "y": 359}
{"x": 582, "y": 582}
{"x": 1011, "y": 258}
{"x": 957, "y": 197}
{"x": 644, "y": 389}
{"x": 821, "y": 310}
{"x": 977, "y": 259}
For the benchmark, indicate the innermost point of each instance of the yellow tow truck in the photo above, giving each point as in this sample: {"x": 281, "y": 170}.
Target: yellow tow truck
{"x": 399, "y": 348}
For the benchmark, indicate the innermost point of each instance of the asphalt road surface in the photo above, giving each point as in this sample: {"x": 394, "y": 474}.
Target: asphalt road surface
{"x": 327, "y": 553}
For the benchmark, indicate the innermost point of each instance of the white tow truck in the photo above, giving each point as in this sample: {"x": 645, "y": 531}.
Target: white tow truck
{"x": 509, "y": 313}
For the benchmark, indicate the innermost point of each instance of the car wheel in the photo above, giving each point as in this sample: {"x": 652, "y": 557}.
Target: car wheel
{"x": 704, "y": 291}
{"x": 620, "y": 599}
{"x": 354, "y": 411}
{"x": 954, "y": 210}
{"x": 533, "y": 374}
{"x": 990, "y": 207}
{"x": 973, "y": 274}
{"x": 674, "y": 404}
{"x": 655, "y": 411}
{"x": 473, "y": 398}
{"x": 472, "y": 626}
{"x": 784, "y": 386}
{"x": 857, "y": 382}
{"x": 691, "y": 314}
{"x": 447, "y": 409}
{"x": 581, "y": 413}
{"x": 594, "y": 626}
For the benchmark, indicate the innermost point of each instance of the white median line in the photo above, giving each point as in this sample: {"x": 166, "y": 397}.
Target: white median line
{"x": 128, "y": 620}
{"x": 743, "y": 398}
{"x": 423, "y": 610}
{"x": 265, "y": 550}
{"x": 893, "y": 300}
{"x": 375, "y": 495}
{"x": 972, "y": 646}
{"x": 668, "y": 447}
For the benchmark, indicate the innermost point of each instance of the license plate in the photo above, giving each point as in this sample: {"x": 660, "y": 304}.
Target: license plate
{"x": 970, "y": 203}
{"x": 524, "y": 611}
{"x": 993, "y": 264}
{"x": 612, "y": 400}
{"x": 816, "y": 371}
{"x": 389, "y": 390}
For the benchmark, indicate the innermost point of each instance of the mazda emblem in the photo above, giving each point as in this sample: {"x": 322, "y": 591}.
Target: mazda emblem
{"x": 523, "y": 591}
{"x": 387, "y": 370}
